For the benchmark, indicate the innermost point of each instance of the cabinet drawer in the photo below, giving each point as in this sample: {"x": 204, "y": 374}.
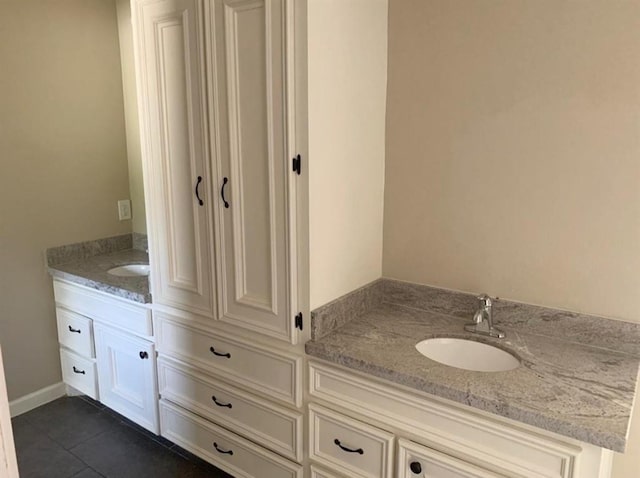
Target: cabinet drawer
{"x": 75, "y": 332}
{"x": 224, "y": 449}
{"x": 353, "y": 447}
{"x": 265, "y": 371}
{"x": 79, "y": 372}
{"x": 417, "y": 461}
{"x": 268, "y": 425}
{"x": 120, "y": 313}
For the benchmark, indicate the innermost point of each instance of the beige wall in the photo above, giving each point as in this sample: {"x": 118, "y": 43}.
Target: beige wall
{"x": 132, "y": 128}
{"x": 63, "y": 163}
{"x": 513, "y": 167}
{"x": 347, "y": 54}
{"x": 513, "y": 141}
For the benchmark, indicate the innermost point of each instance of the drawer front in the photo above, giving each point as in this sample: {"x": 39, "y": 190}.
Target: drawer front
{"x": 417, "y": 461}
{"x": 224, "y": 449}
{"x": 79, "y": 372}
{"x": 354, "y": 448}
{"x": 266, "y": 372}
{"x": 268, "y": 425}
{"x": 451, "y": 429}
{"x": 116, "y": 312}
{"x": 75, "y": 332}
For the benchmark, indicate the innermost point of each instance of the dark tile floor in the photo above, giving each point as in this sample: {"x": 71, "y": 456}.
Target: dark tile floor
{"x": 80, "y": 438}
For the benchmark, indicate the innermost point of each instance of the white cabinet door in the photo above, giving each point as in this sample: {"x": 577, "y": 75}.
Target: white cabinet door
{"x": 247, "y": 67}
{"x": 127, "y": 379}
{"x": 170, "y": 50}
{"x": 417, "y": 461}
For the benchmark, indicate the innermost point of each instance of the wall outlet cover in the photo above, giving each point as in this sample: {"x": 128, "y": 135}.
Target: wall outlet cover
{"x": 124, "y": 209}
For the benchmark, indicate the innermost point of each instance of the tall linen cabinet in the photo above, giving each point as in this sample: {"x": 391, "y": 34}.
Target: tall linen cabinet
{"x": 216, "y": 88}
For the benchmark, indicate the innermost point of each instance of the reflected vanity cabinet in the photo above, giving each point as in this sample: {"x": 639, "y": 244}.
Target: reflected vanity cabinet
{"x": 217, "y": 147}
{"x": 215, "y": 89}
{"x": 107, "y": 350}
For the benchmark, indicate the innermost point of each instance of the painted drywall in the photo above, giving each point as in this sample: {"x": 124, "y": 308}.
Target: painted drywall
{"x": 513, "y": 150}
{"x": 63, "y": 163}
{"x": 132, "y": 126}
{"x": 347, "y": 72}
{"x": 512, "y": 161}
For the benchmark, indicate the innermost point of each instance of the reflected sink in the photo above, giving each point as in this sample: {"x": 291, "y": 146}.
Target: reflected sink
{"x": 467, "y": 354}
{"x": 130, "y": 270}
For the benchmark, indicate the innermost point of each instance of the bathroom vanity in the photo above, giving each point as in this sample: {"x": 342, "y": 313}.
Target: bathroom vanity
{"x": 105, "y": 331}
{"x": 380, "y": 408}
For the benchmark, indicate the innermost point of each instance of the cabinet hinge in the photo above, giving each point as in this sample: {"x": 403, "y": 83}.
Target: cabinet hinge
{"x": 299, "y": 321}
{"x": 297, "y": 164}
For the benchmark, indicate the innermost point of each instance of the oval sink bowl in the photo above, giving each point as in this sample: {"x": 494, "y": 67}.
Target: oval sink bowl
{"x": 130, "y": 270}
{"x": 467, "y": 354}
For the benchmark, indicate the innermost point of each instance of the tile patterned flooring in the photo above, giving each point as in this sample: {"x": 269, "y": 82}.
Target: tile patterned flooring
{"x": 80, "y": 438}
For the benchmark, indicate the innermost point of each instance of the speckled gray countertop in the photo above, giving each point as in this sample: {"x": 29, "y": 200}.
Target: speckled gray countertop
{"x": 92, "y": 272}
{"x": 566, "y": 386}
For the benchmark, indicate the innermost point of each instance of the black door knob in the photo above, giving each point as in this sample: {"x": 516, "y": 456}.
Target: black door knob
{"x": 144, "y": 355}
{"x": 415, "y": 467}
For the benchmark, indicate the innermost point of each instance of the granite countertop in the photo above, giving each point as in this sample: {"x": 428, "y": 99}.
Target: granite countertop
{"x": 581, "y": 390}
{"x": 92, "y": 272}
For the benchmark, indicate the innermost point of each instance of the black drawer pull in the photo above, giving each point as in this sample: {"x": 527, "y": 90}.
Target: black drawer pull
{"x": 415, "y": 467}
{"x": 75, "y": 370}
{"x": 144, "y": 355}
{"x": 228, "y": 452}
{"x": 228, "y": 405}
{"x": 200, "y": 201}
{"x": 348, "y": 450}
{"x": 213, "y": 351}
{"x": 224, "y": 183}
{"x": 77, "y": 331}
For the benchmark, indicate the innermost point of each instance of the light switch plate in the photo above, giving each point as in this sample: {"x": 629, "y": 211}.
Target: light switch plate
{"x": 124, "y": 209}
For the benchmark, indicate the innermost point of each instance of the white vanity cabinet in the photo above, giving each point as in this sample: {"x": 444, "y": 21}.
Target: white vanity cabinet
{"x": 216, "y": 96}
{"x": 435, "y": 438}
{"x": 107, "y": 350}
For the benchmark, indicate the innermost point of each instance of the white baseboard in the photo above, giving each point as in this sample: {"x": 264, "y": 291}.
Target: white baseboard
{"x": 34, "y": 400}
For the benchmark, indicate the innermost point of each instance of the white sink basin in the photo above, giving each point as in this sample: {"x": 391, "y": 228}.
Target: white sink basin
{"x": 467, "y": 354}
{"x": 130, "y": 270}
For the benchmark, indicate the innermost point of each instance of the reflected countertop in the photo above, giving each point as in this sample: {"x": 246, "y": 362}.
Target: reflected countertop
{"x": 92, "y": 272}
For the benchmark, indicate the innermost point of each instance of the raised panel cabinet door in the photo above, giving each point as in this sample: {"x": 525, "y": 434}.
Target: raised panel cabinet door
{"x": 170, "y": 60}
{"x": 247, "y": 69}
{"x": 417, "y": 461}
{"x": 127, "y": 380}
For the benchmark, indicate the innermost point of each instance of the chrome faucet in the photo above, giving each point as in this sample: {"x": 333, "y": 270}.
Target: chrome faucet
{"x": 483, "y": 319}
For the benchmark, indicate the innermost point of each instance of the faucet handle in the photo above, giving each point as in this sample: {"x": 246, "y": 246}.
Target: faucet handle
{"x": 485, "y": 300}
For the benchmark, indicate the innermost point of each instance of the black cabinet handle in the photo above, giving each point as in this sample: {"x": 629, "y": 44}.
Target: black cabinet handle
{"x": 415, "y": 467}
{"x": 227, "y": 452}
{"x": 77, "y": 331}
{"x": 144, "y": 355}
{"x": 213, "y": 351}
{"x": 228, "y": 405}
{"x": 348, "y": 450}
{"x": 75, "y": 370}
{"x": 200, "y": 201}
{"x": 224, "y": 183}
